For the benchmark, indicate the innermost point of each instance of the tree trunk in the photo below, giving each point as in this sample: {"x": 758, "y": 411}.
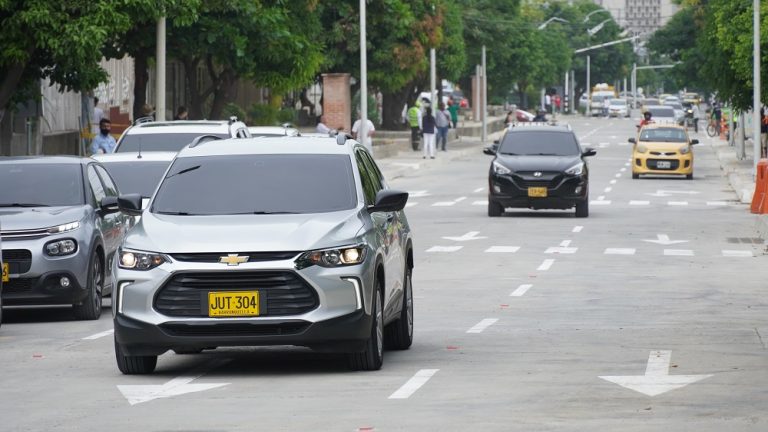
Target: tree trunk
{"x": 141, "y": 73}
{"x": 226, "y": 80}
{"x": 393, "y": 104}
{"x": 10, "y": 83}
{"x": 196, "y": 98}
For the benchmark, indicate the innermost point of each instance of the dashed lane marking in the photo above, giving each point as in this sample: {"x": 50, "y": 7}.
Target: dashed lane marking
{"x": 482, "y": 325}
{"x": 99, "y": 335}
{"x": 613, "y": 181}
{"x": 639, "y": 203}
{"x": 479, "y": 203}
{"x": 478, "y": 190}
{"x": 717, "y": 203}
{"x": 600, "y": 202}
{"x": 503, "y": 249}
{"x": 619, "y": 251}
{"x": 738, "y": 254}
{"x": 411, "y": 204}
{"x": 577, "y": 229}
{"x": 412, "y": 385}
{"x": 546, "y": 265}
{"x": 521, "y": 290}
{"x": 444, "y": 204}
{"x": 561, "y": 250}
{"x": 677, "y": 203}
{"x": 565, "y": 243}
{"x": 608, "y": 189}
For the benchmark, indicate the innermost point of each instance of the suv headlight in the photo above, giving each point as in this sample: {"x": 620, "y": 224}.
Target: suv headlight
{"x": 140, "y": 260}
{"x": 685, "y": 150}
{"x": 64, "y": 227}
{"x": 61, "y": 247}
{"x": 500, "y": 169}
{"x": 576, "y": 169}
{"x": 336, "y": 257}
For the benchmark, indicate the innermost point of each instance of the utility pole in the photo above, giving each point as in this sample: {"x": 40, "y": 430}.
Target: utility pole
{"x": 485, "y": 99}
{"x": 589, "y": 91}
{"x": 756, "y": 100}
{"x": 160, "y": 81}
{"x": 433, "y": 80}
{"x": 362, "y": 134}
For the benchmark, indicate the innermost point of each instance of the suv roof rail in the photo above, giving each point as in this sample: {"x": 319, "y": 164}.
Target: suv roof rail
{"x": 232, "y": 119}
{"x": 342, "y": 137}
{"x": 145, "y": 119}
{"x": 203, "y": 139}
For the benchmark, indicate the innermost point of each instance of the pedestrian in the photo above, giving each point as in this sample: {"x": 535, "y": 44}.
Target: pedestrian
{"x": 322, "y": 127}
{"x": 442, "y": 122}
{"x": 414, "y": 121}
{"x": 428, "y": 127}
{"x": 695, "y": 113}
{"x": 453, "y": 108}
{"x": 717, "y": 116}
{"x": 558, "y": 103}
{"x": 147, "y": 114}
{"x": 548, "y": 103}
{"x": 104, "y": 142}
{"x": 181, "y": 114}
{"x": 606, "y": 107}
{"x": 96, "y": 117}
{"x": 510, "y": 119}
{"x": 367, "y": 140}
{"x": 763, "y": 132}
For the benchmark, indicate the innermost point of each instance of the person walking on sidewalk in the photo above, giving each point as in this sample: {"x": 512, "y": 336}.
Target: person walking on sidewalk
{"x": 453, "y": 108}
{"x": 428, "y": 127}
{"x": 104, "y": 142}
{"x": 414, "y": 121}
{"x": 763, "y": 133}
{"x": 443, "y": 122}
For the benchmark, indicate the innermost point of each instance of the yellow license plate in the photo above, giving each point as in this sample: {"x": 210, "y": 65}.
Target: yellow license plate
{"x": 233, "y": 304}
{"x": 537, "y": 192}
{"x": 6, "y": 273}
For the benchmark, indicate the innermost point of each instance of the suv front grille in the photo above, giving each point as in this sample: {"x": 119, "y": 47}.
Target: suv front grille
{"x": 234, "y": 329}
{"x": 19, "y": 260}
{"x": 215, "y": 257}
{"x": 281, "y": 293}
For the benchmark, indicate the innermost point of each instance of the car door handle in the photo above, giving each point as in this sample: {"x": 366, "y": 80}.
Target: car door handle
{"x": 390, "y": 217}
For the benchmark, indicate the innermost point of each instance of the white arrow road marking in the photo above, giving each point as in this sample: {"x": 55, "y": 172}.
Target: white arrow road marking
{"x": 678, "y": 252}
{"x": 619, "y": 251}
{"x": 418, "y": 194}
{"x": 444, "y": 248}
{"x": 561, "y": 250}
{"x": 546, "y": 265}
{"x": 479, "y": 203}
{"x": 137, "y": 394}
{"x": 521, "y": 290}
{"x": 738, "y": 253}
{"x": 472, "y": 235}
{"x": 99, "y": 335}
{"x": 482, "y": 325}
{"x": 657, "y": 379}
{"x": 663, "y": 239}
{"x": 503, "y": 249}
{"x": 578, "y": 228}
{"x": 414, "y": 384}
{"x": 638, "y": 203}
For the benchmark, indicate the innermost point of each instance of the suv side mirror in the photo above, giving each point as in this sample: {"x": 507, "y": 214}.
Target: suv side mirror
{"x": 389, "y": 201}
{"x": 130, "y": 204}
{"x": 489, "y": 151}
{"x": 632, "y": 140}
{"x": 589, "y": 151}
{"x": 109, "y": 205}
{"x": 694, "y": 141}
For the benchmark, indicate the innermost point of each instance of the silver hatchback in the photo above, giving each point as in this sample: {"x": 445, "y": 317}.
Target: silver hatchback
{"x": 266, "y": 241}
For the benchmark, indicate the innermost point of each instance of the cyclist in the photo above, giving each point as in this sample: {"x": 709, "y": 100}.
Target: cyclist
{"x": 717, "y": 117}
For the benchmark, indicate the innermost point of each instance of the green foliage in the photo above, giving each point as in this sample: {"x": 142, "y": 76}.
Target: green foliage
{"x": 373, "y": 109}
{"x": 235, "y": 110}
{"x": 263, "y": 115}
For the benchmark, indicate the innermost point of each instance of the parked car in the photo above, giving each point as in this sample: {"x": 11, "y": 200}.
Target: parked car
{"x": 61, "y": 229}
{"x": 175, "y": 135}
{"x": 136, "y": 173}
{"x": 539, "y": 167}
{"x": 266, "y": 241}
{"x": 662, "y": 149}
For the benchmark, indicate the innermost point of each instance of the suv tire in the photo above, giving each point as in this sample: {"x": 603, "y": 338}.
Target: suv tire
{"x": 372, "y": 358}
{"x": 134, "y": 365}
{"x": 494, "y": 209}
{"x": 399, "y": 334}
{"x": 90, "y": 308}
{"x": 582, "y": 209}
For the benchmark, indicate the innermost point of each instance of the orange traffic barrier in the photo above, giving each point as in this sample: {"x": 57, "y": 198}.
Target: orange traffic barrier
{"x": 759, "y": 201}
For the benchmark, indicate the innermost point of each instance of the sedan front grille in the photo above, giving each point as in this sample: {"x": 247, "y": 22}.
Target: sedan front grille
{"x": 215, "y": 257}
{"x": 25, "y": 234}
{"x": 281, "y": 293}
{"x": 19, "y": 260}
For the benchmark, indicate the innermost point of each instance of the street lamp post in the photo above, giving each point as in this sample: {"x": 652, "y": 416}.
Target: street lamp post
{"x": 363, "y": 130}
{"x": 756, "y": 102}
{"x": 160, "y": 81}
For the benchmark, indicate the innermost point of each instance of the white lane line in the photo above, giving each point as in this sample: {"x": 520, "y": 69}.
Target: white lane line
{"x": 619, "y": 251}
{"x": 444, "y": 204}
{"x": 502, "y": 249}
{"x": 418, "y": 194}
{"x": 577, "y": 228}
{"x": 521, "y": 290}
{"x": 565, "y": 243}
{"x": 444, "y": 248}
{"x": 738, "y": 253}
{"x": 608, "y": 189}
{"x": 613, "y": 181}
{"x": 412, "y": 385}
{"x": 618, "y": 175}
{"x": 479, "y": 203}
{"x": 600, "y": 202}
{"x": 678, "y": 252}
{"x": 460, "y": 199}
{"x": 623, "y": 170}
{"x": 627, "y": 164}
{"x": 546, "y": 265}
{"x": 411, "y": 204}
{"x": 478, "y": 190}
{"x": 677, "y": 203}
{"x": 638, "y": 203}
{"x": 601, "y": 198}
{"x": 99, "y": 335}
{"x": 482, "y": 325}
{"x": 561, "y": 250}
{"x": 717, "y": 203}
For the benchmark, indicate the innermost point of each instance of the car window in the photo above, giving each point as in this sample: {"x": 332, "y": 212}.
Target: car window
{"x": 369, "y": 188}
{"x": 63, "y": 184}
{"x": 663, "y": 134}
{"x": 97, "y": 189}
{"x": 542, "y": 143}
{"x": 376, "y": 177}
{"x": 257, "y": 184}
{"x": 137, "y": 177}
{"x": 159, "y": 141}
{"x": 109, "y": 186}
{"x": 662, "y": 112}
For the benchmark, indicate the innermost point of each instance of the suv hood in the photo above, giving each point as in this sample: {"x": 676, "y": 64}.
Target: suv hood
{"x": 243, "y": 233}
{"x": 20, "y": 218}
{"x": 538, "y": 163}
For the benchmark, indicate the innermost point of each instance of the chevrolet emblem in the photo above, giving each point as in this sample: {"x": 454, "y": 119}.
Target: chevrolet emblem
{"x": 233, "y": 259}
{"x": 537, "y": 174}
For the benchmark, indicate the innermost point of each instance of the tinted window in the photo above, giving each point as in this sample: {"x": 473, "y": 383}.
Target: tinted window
{"x": 663, "y": 134}
{"x": 137, "y": 177}
{"x": 369, "y": 188}
{"x": 248, "y": 184}
{"x": 96, "y": 187}
{"x": 543, "y": 143}
{"x": 43, "y": 184}
{"x": 109, "y": 186}
{"x": 662, "y": 112}
{"x": 159, "y": 142}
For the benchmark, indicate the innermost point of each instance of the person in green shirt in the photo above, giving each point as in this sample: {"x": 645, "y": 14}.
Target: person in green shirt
{"x": 414, "y": 121}
{"x": 453, "y": 109}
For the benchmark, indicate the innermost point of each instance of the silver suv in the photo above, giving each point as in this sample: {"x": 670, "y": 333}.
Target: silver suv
{"x": 266, "y": 241}
{"x": 175, "y": 135}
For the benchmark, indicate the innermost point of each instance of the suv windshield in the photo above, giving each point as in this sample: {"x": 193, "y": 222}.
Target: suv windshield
{"x": 664, "y": 135}
{"x": 63, "y": 185}
{"x": 136, "y": 177}
{"x": 544, "y": 143}
{"x": 257, "y": 184}
{"x": 159, "y": 142}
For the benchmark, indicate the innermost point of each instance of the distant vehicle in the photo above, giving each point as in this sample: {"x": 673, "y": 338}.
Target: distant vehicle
{"x": 524, "y": 116}
{"x": 618, "y": 108}
{"x": 679, "y": 110}
{"x": 137, "y": 173}
{"x": 61, "y": 229}
{"x": 175, "y": 135}
{"x": 662, "y": 114}
{"x": 693, "y": 98}
{"x": 662, "y": 149}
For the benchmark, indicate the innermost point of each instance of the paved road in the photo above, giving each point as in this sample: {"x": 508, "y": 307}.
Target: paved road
{"x": 517, "y": 320}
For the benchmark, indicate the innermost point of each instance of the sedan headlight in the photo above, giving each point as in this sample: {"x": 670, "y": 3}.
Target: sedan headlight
{"x": 139, "y": 260}
{"x": 685, "y": 150}
{"x": 64, "y": 228}
{"x": 61, "y": 247}
{"x": 576, "y": 169}
{"x": 641, "y": 148}
{"x": 337, "y": 257}
{"x": 500, "y": 169}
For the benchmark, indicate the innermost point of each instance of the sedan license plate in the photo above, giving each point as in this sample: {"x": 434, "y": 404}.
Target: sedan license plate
{"x": 537, "y": 192}
{"x": 233, "y": 304}
{"x": 664, "y": 164}
{"x": 6, "y": 273}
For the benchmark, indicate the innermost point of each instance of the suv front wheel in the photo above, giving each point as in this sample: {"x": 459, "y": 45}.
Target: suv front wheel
{"x": 373, "y": 356}
{"x": 134, "y": 365}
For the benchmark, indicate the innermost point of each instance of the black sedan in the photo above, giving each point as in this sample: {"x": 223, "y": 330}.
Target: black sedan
{"x": 539, "y": 167}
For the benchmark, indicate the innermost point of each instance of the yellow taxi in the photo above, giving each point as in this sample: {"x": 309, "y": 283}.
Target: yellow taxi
{"x": 663, "y": 148}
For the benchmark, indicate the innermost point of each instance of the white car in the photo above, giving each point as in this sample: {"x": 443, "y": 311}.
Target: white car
{"x": 267, "y": 131}
{"x": 175, "y": 135}
{"x": 618, "y": 108}
{"x": 662, "y": 114}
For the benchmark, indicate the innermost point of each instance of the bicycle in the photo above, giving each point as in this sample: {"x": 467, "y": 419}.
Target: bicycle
{"x": 713, "y": 128}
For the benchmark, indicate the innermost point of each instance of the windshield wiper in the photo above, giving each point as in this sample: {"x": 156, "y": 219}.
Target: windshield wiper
{"x": 510, "y": 154}
{"x": 262, "y": 212}
{"x": 546, "y": 154}
{"x": 23, "y": 205}
{"x": 184, "y": 171}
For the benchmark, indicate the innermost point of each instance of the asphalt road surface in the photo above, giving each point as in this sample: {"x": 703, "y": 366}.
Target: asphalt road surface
{"x": 650, "y": 315}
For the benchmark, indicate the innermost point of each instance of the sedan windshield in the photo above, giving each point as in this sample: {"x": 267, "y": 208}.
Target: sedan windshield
{"x": 257, "y": 184}
{"x": 159, "y": 142}
{"x": 137, "y": 177}
{"x": 41, "y": 185}
{"x": 542, "y": 143}
{"x": 662, "y": 112}
{"x": 619, "y": 102}
{"x": 663, "y": 135}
